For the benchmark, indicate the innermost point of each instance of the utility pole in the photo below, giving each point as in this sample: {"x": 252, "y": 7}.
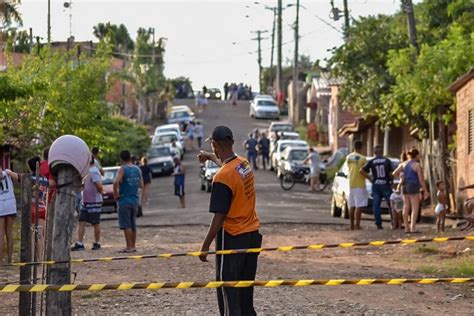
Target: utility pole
{"x": 279, "y": 50}
{"x": 346, "y": 19}
{"x": 259, "y": 60}
{"x": 49, "y": 22}
{"x": 408, "y": 7}
{"x": 270, "y": 83}
{"x": 295, "y": 103}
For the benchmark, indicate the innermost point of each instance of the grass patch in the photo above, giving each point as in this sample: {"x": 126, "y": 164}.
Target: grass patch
{"x": 461, "y": 267}
{"x": 425, "y": 249}
{"x": 464, "y": 267}
{"x": 427, "y": 270}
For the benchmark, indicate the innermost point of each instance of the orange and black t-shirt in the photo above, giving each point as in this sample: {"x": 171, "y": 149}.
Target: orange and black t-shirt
{"x": 233, "y": 193}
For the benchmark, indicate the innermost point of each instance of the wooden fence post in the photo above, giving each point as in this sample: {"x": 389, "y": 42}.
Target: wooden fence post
{"x": 25, "y": 251}
{"x": 59, "y": 303}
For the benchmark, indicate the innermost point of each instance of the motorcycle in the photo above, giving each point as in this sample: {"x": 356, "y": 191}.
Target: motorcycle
{"x": 301, "y": 174}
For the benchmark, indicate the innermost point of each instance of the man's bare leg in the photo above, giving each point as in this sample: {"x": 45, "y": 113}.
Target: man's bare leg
{"x": 352, "y": 217}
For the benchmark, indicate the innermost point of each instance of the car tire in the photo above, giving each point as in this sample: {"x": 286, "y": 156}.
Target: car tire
{"x": 203, "y": 187}
{"x": 345, "y": 210}
{"x": 335, "y": 211}
{"x": 140, "y": 211}
{"x": 208, "y": 187}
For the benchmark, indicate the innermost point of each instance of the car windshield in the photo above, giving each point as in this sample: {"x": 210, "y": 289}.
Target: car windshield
{"x": 167, "y": 130}
{"x": 109, "y": 176}
{"x": 165, "y": 138}
{"x": 297, "y": 155}
{"x": 159, "y": 152}
{"x": 179, "y": 114}
{"x": 266, "y": 103}
{"x": 283, "y": 146}
{"x": 282, "y": 128}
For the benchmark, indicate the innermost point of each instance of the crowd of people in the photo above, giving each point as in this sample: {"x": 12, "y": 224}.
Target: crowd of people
{"x": 404, "y": 198}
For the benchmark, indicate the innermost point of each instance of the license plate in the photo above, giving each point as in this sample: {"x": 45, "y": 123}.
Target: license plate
{"x": 157, "y": 170}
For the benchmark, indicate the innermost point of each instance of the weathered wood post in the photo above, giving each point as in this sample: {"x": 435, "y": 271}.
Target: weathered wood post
{"x": 68, "y": 183}
{"x": 25, "y": 248}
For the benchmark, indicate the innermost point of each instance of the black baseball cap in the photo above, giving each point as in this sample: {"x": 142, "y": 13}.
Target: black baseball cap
{"x": 221, "y": 133}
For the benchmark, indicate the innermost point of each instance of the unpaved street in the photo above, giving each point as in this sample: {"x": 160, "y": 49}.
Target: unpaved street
{"x": 289, "y": 218}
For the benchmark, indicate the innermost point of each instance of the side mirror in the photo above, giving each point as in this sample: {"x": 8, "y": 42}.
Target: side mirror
{"x": 341, "y": 174}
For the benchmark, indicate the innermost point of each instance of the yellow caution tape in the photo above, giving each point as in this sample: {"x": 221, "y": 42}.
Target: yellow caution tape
{"x": 376, "y": 243}
{"x": 11, "y": 288}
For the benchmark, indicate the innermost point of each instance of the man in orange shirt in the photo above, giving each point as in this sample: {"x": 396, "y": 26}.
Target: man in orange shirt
{"x": 235, "y": 223}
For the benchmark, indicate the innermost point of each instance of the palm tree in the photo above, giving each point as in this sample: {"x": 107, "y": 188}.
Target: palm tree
{"x": 8, "y": 14}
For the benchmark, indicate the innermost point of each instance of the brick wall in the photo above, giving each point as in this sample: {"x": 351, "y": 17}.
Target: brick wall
{"x": 465, "y": 160}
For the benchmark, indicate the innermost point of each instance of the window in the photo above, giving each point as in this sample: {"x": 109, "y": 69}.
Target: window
{"x": 470, "y": 131}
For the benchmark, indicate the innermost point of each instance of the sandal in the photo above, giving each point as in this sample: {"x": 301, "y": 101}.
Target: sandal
{"x": 127, "y": 250}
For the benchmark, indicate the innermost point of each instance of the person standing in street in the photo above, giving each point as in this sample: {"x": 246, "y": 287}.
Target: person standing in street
{"x": 199, "y": 133}
{"x": 264, "y": 147}
{"x": 413, "y": 183}
{"x": 7, "y": 210}
{"x": 98, "y": 164}
{"x": 126, "y": 185}
{"x": 379, "y": 171}
{"x": 235, "y": 223}
{"x": 226, "y": 91}
{"x": 251, "y": 147}
{"x": 315, "y": 160}
{"x": 179, "y": 174}
{"x": 146, "y": 176}
{"x": 91, "y": 207}
{"x": 358, "y": 196}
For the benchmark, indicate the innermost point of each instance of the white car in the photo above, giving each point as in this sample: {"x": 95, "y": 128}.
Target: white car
{"x": 275, "y": 156}
{"x": 290, "y": 156}
{"x": 182, "y": 108}
{"x": 163, "y": 129}
{"x": 264, "y": 108}
{"x": 168, "y": 139}
{"x": 277, "y": 127}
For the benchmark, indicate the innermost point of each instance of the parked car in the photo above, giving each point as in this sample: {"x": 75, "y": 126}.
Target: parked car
{"x": 109, "y": 204}
{"x": 280, "y": 147}
{"x": 167, "y": 139}
{"x": 213, "y": 93}
{"x": 160, "y": 160}
{"x": 182, "y": 108}
{"x": 284, "y": 136}
{"x": 179, "y": 116}
{"x": 276, "y": 127}
{"x": 340, "y": 192}
{"x": 163, "y": 129}
{"x": 207, "y": 172}
{"x": 264, "y": 108}
{"x": 290, "y": 157}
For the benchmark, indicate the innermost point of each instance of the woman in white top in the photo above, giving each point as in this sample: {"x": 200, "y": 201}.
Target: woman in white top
{"x": 7, "y": 210}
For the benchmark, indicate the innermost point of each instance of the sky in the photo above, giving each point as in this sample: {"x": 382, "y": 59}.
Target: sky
{"x": 208, "y": 41}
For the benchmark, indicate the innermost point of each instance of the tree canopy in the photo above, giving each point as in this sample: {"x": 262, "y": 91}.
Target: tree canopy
{"x": 383, "y": 75}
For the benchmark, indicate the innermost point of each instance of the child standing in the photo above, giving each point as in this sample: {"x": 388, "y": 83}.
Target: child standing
{"x": 396, "y": 206}
{"x": 442, "y": 206}
{"x": 179, "y": 173}
{"x": 7, "y": 210}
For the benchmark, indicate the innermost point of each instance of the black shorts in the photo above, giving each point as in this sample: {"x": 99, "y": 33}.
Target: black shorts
{"x": 411, "y": 188}
{"x": 92, "y": 218}
{"x": 179, "y": 189}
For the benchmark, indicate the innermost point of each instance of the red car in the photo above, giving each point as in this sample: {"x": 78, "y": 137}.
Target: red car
{"x": 110, "y": 205}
